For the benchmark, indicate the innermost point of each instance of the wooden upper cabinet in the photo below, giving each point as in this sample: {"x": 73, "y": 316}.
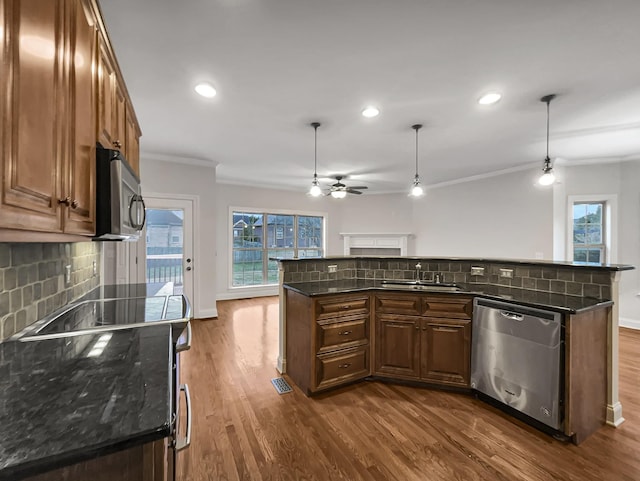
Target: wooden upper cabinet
{"x": 61, "y": 92}
{"x": 117, "y": 123}
{"x": 33, "y": 111}
{"x": 81, "y": 173}
{"x": 132, "y": 139}
{"x": 106, "y": 94}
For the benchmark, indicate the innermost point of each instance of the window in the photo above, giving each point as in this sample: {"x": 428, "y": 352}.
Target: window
{"x": 260, "y": 236}
{"x": 589, "y": 232}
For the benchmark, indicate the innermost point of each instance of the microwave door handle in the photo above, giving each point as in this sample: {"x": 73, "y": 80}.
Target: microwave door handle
{"x": 137, "y": 199}
{"x": 144, "y": 213}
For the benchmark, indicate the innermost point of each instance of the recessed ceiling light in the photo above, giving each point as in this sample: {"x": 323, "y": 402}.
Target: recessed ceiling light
{"x": 370, "y": 111}
{"x": 206, "y": 90}
{"x": 489, "y": 98}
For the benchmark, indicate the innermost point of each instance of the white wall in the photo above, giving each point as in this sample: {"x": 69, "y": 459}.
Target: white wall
{"x": 160, "y": 177}
{"x": 365, "y": 213}
{"x": 505, "y": 216}
{"x": 629, "y": 245}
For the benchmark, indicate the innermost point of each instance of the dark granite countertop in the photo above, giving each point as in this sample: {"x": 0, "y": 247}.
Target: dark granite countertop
{"x": 521, "y": 262}
{"x": 555, "y": 302}
{"x": 63, "y": 400}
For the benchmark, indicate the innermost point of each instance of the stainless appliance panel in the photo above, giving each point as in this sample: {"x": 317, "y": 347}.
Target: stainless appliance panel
{"x": 516, "y": 358}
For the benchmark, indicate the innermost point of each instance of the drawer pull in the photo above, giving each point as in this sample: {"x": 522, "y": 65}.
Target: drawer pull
{"x": 344, "y": 333}
{"x": 445, "y": 329}
{"x": 347, "y": 306}
{"x": 345, "y": 365}
{"x": 417, "y": 328}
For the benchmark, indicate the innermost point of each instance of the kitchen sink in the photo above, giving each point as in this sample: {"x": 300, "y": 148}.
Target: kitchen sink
{"x": 421, "y": 286}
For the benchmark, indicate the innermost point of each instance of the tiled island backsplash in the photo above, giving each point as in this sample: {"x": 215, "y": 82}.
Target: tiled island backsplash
{"x": 32, "y": 280}
{"x": 557, "y": 279}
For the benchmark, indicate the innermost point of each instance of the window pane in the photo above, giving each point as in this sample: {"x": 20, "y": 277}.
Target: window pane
{"x": 579, "y": 234}
{"x": 580, "y": 255}
{"x": 310, "y": 253}
{"x": 247, "y": 267}
{"x": 579, "y": 212}
{"x": 272, "y": 266}
{"x": 594, "y": 234}
{"x": 247, "y": 230}
{"x": 309, "y": 232}
{"x": 594, "y": 213}
{"x": 594, "y": 255}
{"x": 280, "y": 230}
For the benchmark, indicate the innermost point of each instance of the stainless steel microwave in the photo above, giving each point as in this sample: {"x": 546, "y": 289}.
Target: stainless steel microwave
{"x": 120, "y": 209}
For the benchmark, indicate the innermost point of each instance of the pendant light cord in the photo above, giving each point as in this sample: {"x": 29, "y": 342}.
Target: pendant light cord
{"x": 548, "y": 102}
{"x": 315, "y": 150}
{"x": 416, "y": 127}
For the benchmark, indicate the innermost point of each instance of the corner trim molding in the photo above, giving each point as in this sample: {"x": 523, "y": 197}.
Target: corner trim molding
{"x": 614, "y": 415}
{"x": 207, "y": 313}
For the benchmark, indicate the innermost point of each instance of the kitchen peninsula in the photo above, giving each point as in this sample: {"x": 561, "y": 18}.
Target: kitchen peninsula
{"x": 341, "y": 322}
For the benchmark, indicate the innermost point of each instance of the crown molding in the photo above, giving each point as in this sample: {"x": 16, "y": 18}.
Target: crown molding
{"x": 177, "y": 159}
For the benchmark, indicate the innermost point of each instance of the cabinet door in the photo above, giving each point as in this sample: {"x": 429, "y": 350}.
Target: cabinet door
{"x": 446, "y": 351}
{"x": 397, "y": 346}
{"x": 33, "y": 111}
{"x": 132, "y": 140}
{"x": 81, "y": 171}
{"x": 106, "y": 94}
{"x": 118, "y": 121}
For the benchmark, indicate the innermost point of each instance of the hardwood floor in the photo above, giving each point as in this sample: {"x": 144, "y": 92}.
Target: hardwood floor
{"x": 244, "y": 430}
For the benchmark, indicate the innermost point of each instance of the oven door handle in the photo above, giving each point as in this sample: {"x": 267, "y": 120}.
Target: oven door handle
{"x": 184, "y": 443}
{"x": 186, "y": 345}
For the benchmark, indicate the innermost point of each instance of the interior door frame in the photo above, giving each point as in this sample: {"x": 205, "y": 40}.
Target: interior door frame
{"x": 155, "y": 200}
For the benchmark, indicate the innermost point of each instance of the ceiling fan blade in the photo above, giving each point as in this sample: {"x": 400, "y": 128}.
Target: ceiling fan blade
{"x": 351, "y": 191}
{"x": 359, "y": 187}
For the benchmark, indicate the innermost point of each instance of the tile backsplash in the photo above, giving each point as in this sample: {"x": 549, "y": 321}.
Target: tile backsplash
{"x": 32, "y": 280}
{"x": 568, "y": 280}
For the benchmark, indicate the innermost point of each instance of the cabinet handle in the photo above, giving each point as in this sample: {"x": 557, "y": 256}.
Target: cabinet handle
{"x": 417, "y": 328}
{"x": 344, "y": 333}
{"x": 74, "y": 204}
{"x": 346, "y": 306}
{"x": 445, "y": 329}
{"x": 117, "y": 144}
{"x": 345, "y": 365}
{"x": 424, "y": 328}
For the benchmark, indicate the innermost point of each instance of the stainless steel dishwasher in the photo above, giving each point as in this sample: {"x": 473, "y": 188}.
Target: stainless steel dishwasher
{"x": 516, "y": 358}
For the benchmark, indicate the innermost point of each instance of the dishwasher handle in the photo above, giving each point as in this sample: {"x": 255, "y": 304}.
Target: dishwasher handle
{"x": 512, "y": 315}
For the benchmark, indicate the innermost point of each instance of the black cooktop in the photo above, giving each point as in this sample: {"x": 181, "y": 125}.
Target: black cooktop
{"x": 115, "y": 312}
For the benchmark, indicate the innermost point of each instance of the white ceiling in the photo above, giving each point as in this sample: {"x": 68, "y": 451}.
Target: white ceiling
{"x": 280, "y": 64}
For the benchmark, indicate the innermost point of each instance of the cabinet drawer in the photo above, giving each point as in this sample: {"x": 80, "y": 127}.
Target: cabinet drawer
{"x": 342, "y": 306}
{"x": 333, "y": 335}
{"x": 398, "y": 304}
{"x": 451, "y": 306}
{"x": 342, "y": 367}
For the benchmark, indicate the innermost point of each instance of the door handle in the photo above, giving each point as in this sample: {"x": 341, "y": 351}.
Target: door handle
{"x": 512, "y": 315}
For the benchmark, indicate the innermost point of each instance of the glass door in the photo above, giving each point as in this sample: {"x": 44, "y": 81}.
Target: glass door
{"x": 168, "y": 247}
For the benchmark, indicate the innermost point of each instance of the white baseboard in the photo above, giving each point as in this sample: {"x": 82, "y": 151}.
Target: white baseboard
{"x": 614, "y": 415}
{"x": 207, "y": 313}
{"x": 630, "y": 323}
{"x": 245, "y": 293}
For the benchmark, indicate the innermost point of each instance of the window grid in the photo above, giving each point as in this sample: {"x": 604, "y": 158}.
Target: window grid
{"x": 589, "y": 232}
{"x": 285, "y": 236}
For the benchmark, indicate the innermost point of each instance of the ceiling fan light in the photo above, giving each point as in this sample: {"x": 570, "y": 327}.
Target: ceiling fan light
{"x": 339, "y": 194}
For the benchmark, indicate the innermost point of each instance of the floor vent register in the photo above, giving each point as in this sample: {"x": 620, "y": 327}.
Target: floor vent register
{"x": 281, "y": 385}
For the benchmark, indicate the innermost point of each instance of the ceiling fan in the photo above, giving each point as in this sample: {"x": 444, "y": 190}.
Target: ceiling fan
{"x": 340, "y": 190}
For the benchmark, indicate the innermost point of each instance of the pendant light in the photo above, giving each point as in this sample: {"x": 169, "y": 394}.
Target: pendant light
{"x": 547, "y": 177}
{"x": 416, "y": 190}
{"x": 315, "y": 189}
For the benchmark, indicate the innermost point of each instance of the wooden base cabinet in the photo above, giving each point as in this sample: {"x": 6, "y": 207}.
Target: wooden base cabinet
{"x": 424, "y": 338}
{"x": 327, "y": 340}
{"x": 148, "y": 462}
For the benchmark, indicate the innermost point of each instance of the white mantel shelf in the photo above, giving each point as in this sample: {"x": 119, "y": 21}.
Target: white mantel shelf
{"x": 375, "y": 242}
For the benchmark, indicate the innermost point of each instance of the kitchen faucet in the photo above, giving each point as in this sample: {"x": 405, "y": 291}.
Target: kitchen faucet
{"x": 418, "y": 267}
{"x": 437, "y": 278}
